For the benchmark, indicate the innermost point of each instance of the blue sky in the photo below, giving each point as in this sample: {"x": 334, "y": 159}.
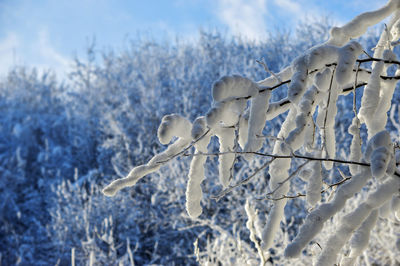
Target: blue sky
{"x": 49, "y": 33}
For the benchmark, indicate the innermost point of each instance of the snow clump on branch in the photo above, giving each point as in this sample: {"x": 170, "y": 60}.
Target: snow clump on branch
{"x": 316, "y": 79}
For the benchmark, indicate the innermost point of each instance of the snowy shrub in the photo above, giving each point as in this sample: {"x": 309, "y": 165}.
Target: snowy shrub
{"x": 59, "y": 143}
{"x": 306, "y": 146}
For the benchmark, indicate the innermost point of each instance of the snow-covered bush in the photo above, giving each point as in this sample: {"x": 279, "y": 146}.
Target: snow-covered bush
{"x": 305, "y": 146}
{"x": 59, "y": 143}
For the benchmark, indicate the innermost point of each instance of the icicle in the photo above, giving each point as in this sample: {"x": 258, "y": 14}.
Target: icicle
{"x": 194, "y": 193}
{"x": 171, "y": 125}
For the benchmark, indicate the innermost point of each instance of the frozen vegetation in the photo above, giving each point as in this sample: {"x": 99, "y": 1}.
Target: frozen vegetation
{"x": 221, "y": 159}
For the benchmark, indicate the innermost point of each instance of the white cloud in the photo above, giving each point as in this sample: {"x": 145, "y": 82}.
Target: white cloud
{"x": 245, "y": 18}
{"x": 300, "y": 10}
{"x": 290, "y": 6}
{"x": 39, "y": 53}
{"x": 49, "y": 56}
{"x": 8, "y": 47}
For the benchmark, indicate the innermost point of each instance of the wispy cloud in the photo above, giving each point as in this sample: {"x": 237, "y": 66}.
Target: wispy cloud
{"x": 49, "y": 56}
{"x": 290, "y": 6}
{"x": 245, "y": 18}
{"x": 39, "y": 53}
{"x": 8, "y": 48}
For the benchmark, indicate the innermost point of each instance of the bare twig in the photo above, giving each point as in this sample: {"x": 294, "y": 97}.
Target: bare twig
{"x": 323, "y": 133}
{"x": 354, "y": 91}
{"x": 388, "y": 36}
{"x": 235, "y": 148}
{"x": 267, "y": 70}
{"x": 336, "y": 184}
{"x": 284, "y": 197}
{"x": 242, "y": 182}
{"x": 280, "y": 184}
{"x": 303, "y": 195}
{"x": 365, "y": 60}
{"x": 291, "y": 156}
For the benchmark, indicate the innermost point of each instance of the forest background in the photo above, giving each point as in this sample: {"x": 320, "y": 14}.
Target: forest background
{"x": 62, "y": 141}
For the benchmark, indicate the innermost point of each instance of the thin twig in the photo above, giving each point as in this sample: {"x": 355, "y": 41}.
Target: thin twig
{"x": 303, "y": 195}
{"x": 267, "y": 70}
{"x": 242, "y": 182}
{"x": 235, "y": 148}
{"x": 388, "y": 36}
{"x": 291, "y": 156}
{"x": 284, "y": 197}
{"x": 354, "y": 91}
{"x": 365, "y": 60}
{"x": 367, "y": 54}
{"x": 280, "y": 184}
{"x": 336, "y": 184}
{"x": 323, "y": 133}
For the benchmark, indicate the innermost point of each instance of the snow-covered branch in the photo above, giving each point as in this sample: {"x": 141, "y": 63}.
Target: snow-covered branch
{"x": 242, "y": 110}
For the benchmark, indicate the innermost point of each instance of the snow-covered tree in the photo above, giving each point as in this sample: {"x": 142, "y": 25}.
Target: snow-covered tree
{"x": 306, "y": 144}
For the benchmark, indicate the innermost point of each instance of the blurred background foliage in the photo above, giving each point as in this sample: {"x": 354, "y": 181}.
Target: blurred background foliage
{"x": 61, "y": 142}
